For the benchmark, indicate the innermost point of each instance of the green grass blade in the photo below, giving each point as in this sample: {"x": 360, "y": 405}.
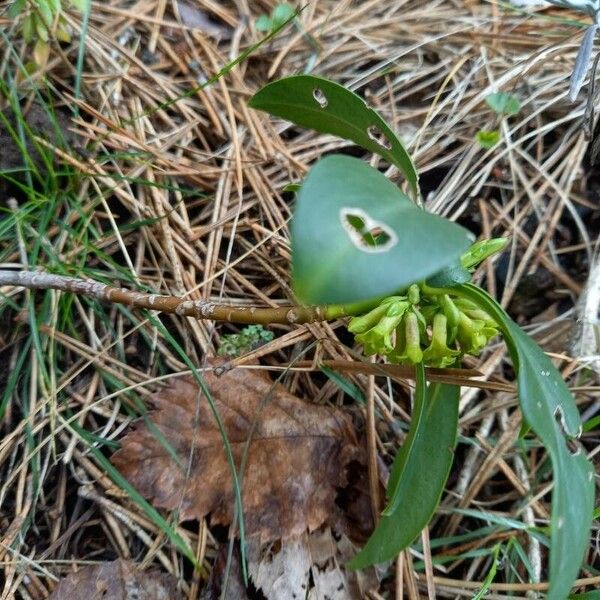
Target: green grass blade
{"x": 487, "y": 582}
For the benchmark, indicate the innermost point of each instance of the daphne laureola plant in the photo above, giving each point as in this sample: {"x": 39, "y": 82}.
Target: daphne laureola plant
{"x": 357, "y": 238}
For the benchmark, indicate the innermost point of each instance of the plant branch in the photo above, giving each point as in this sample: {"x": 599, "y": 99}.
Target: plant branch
{"x": 198, "y": 309}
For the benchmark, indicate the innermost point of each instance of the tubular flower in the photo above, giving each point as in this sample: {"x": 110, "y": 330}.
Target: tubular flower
{"x": 426, "y": 324}
{"x": 473, "y": 334}
{"x": 413, "y": 351}
{"x": 437, "y": 353}
{"x": 367, "y": 321}
{"x": 407, "y": 350}
{"x": 378, "y": 339}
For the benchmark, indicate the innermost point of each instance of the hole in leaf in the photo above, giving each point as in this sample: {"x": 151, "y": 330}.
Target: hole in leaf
{"x": 366, "y": 233}
{"x": 379, "y": 137}
{"x": 320, "y": 97}
{"x": 560, "y": 421}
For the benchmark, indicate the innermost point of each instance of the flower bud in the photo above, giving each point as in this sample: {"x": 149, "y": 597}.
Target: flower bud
{"x": 450, "y": 309}
{"x": 413, "y": 338}
{"x": 414, "y": 294}
{"x": 481, "y": 250}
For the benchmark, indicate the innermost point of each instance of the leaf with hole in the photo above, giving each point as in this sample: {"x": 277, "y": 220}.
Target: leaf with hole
{"x": 329, "y": 107}
{"x": 419, "y": 472}
{"x": 544, "y": 398}
{"x": 356, "y": 236}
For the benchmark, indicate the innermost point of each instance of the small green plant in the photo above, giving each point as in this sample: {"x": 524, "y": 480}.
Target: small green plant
{"x": 357, "y": 238}
{"x": 487, "y": 139}
{"x": 41, "y": 21}
{"x": 503, "y": 104}
{"x": 250, "y": 337}
{"x": 279, "y": 15}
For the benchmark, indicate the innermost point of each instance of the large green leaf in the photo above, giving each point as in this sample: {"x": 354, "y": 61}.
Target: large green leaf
{"x": 419, "y": 473}
{"x": 331, "y": 261}
{"x": 549, "y": 408}
{"x": 330, "y": 108}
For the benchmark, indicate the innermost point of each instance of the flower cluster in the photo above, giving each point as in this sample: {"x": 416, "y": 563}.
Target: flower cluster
{"x": 424, "y": 326}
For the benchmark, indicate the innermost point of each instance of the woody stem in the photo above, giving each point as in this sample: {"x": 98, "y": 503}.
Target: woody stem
{"x": 198, "y": 309}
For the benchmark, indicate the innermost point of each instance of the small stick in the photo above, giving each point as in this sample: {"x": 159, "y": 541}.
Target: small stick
{"x": 199, "y": 309}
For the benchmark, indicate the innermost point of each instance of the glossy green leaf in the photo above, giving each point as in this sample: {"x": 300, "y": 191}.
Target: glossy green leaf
{"x": 419, "y": 472}
{"x": 328, "y": 107}
{"x": 334, "y": 261}
{"x": 550, "y": 410}
{"x": 503, "y": 103}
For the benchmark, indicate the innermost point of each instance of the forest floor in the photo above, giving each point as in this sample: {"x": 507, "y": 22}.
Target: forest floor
{"x": 131, "y": 157}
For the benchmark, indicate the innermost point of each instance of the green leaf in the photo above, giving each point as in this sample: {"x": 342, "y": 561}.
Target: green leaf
{"x": 54, "y": 6}
{"x": 281, "y": 13}
{"x": 263, "y": 23}
{"x": 335, "y": 262}
{"x": 45, "y": 13}
{"x": 487, "y": 139}
{"x": 28, "y": 27}
{"x": 545, "y": 401}
{"x": 450, "y": 276}
{"x": 419, "y": 473}
{"x": 503, "y": 103}
{"x": 17, "y": 7}
{"x": 593, "y": 595}
{"x": 292, "y": 187}
{"x": 330, "y": 108}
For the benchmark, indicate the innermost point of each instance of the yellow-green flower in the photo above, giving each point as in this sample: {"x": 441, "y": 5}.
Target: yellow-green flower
{"x": 378, "y": 339}
{"x": 437, "y": 353}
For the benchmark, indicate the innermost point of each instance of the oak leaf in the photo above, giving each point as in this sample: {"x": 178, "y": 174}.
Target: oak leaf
{"x": 117, "y": 580}
{"x": 296, "y": 458}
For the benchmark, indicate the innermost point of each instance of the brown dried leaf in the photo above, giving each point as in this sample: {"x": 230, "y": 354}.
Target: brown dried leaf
{"x": 118, "y": 580}
{"x": 311, "y": 567}
{"x": 296, "y": 458}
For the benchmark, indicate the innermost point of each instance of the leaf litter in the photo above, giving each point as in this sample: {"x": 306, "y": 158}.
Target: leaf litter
{"x": 296, "y": 454}
{"x": 116, "y": 580}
